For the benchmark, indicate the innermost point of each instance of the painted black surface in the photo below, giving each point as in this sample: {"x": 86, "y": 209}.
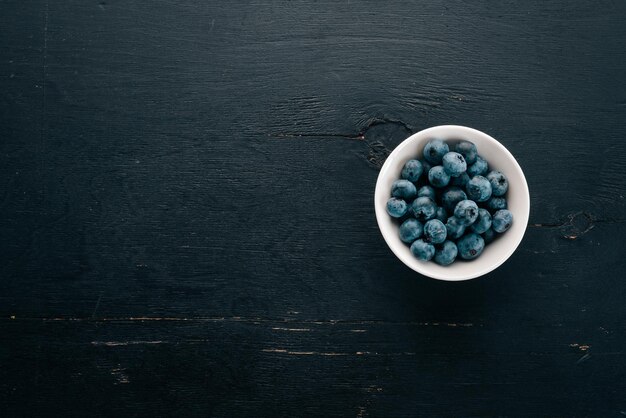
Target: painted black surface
{"x": 186, "y": 210}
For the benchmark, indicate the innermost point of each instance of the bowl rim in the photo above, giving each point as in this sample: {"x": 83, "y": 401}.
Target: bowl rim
{"x": 381, "y": 211}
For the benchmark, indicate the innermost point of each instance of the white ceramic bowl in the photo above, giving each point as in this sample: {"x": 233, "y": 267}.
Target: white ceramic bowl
{"x": 499, "y": 158}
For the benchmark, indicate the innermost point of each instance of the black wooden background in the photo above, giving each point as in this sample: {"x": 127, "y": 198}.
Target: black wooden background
{"x": 187, "y": 223}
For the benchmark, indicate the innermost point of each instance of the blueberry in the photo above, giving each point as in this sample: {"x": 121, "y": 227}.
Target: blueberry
{"x": 438, "y": 176}
{"x": 478, "y": 189}
{"x": 435, "y": 231}
{"x": 424, "y": 208}
{"x": 426, "y": 191}
{"x": 479, "y": 168}
{"x": 410, "y": 230}
{"x": 468, "y": 150}
{"x": 461, "y": 180}
{"x": 441, "y": 214}
{"x": 502, "y": 220}
{"x": 423, "y": 250}
{"x": 451, "y": 196}
{"x": 396, "y": 208}
{"x": 466, "y": 211}
{"x": 454, "y": 228}
{"x": 454, "y": 164}
{"x": 489, "y": 235}
{"x": 496, "y": 203}
{"x": 403, "y": 189}
{"x": 499, "y": 183}
{"x": 470, "y": 246}
{"x": 446, "y": 254}
{"x": 483, "y": 222}
{"x": 412, "y": 170}
{"x": 435, "y": 150}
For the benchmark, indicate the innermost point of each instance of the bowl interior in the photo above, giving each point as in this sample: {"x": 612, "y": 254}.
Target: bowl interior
{"x": 499, "y": 158}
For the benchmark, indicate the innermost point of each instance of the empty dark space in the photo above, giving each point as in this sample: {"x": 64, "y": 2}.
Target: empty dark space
{"x": 186, "y": 209}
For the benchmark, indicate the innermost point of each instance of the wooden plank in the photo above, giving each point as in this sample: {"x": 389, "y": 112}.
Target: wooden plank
{"x": 221, "y": 366}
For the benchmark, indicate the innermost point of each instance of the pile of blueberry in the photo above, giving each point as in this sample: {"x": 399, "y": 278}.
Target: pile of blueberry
{"x": 449, "y": 203}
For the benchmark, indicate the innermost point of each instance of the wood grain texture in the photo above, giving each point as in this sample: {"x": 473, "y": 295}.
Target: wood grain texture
{"x": 187, "y": 226}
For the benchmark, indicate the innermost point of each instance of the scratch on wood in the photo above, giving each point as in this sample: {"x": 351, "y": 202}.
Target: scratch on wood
{"x": 358, "y": 330}
{"x": 358, "y": 137}
{"x": 483, "y": 383}
{"x": 251, "y": 320}
{"x": 120, "y": 375}
{"x": 584, "y": 358}
{"x": 331, "y": 354}
{"x": 303, "y": 353}
{"x": 362, "y": 412}
{"x": 93, "y": 314}
{"x": 575, "y": 225}
{"x": 581, "y": 347}
{"x": 123, "y": 343}
{"x": 291, "y": 329}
